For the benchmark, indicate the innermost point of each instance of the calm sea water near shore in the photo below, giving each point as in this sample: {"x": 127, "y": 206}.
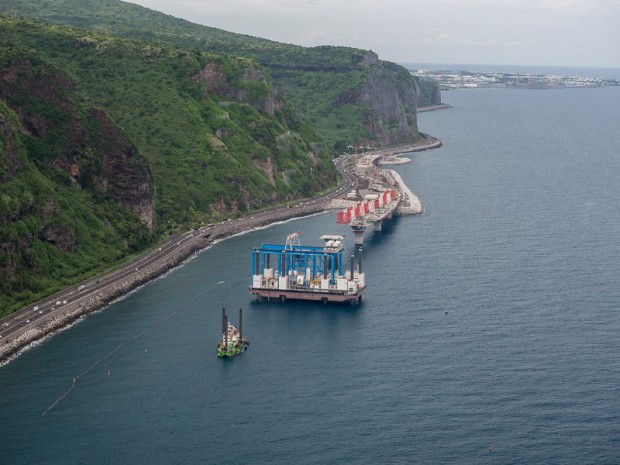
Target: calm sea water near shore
{"x": 489, "y": 331}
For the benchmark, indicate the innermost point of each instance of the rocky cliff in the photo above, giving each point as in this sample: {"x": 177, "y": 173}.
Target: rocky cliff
{"x": 391, "y": 97}
{"x": 352, "y": 96}
{"x": 428, "y": 92}
{"x": 85, "y": 146}
{"x": 120, "y": 170}
{"x": 75, "y": 193}
{"x": 246, "y": 82}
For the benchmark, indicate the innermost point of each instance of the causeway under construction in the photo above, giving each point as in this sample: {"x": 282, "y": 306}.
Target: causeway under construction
{"x": 313, "y": 273}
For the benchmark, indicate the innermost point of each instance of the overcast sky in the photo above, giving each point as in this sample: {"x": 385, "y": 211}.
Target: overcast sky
{"x": 518, "y": 32}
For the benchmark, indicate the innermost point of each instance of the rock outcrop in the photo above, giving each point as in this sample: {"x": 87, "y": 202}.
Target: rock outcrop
{"x": 61, "y": 236}
{"x": 248, "y": 83}
{"x": 428, "y": 92}
{"x": 87, "y": 146}
{"x": 124, "y": 173}
{"x": 391, "y": 96}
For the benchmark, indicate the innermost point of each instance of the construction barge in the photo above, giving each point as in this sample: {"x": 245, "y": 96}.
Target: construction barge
{"x": 233, "y": 342}
{"x": 306, "y": 272}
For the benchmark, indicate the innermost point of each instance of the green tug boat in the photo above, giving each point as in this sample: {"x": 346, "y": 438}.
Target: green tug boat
{"x": 233, "y": 342}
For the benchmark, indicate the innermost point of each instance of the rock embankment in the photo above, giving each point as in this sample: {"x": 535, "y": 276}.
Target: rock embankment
{"x": 409, "y": 204}
{"x": 441, "y": 106}
{"x": 126, "y": 279}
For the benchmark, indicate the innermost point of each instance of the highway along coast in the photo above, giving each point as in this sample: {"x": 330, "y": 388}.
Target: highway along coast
{"x": 41, "y": 319}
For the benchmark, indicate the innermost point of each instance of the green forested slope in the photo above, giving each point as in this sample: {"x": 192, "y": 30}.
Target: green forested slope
{"x": 217, "y": 142}
{"x": 129, "y": 19}
{"x": 155, "y": 122}
{"x": 57, "y": 226}
{"x": 301, "y": 73}
{"x": 128, "y": 141}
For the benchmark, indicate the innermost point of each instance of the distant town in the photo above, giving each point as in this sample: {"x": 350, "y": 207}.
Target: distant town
{"x": 448, "y": 79}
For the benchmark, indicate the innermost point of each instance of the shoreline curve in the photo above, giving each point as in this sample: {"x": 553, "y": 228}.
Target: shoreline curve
{"x": 107, "y": 288}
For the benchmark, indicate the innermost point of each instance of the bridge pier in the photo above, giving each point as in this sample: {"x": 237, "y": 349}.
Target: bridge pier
{"x": 359, "y": 229}
{"x": 377, "y": 226}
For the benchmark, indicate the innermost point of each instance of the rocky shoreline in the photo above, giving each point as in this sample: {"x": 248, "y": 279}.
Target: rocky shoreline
{"x": 410, "y": 204}
{"x": 13, "y": 346}
{"x": 24, "y": 337}
{"x": 441, "y": 106}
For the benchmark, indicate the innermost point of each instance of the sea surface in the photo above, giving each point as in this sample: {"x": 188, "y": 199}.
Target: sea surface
{"x": 489, "y": 333}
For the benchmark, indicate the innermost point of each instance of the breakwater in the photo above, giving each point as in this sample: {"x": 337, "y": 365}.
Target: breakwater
{"x": 409, "y": 204}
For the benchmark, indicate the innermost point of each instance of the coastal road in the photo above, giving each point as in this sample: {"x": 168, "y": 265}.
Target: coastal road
{"x": 32, "y": 314}
{"x": 54, "y": 311}
{"x": 107, "y": 283}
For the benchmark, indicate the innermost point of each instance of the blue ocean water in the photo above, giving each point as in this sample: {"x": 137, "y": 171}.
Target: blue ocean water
{"x": 488, "y": 333}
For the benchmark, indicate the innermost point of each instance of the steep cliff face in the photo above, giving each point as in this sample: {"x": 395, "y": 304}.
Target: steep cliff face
{"x": 356, "y": 99}
{"x": 428, "y": 92}
{"x": 391, "y": 97}
{"x": 87, "y": 147}
{"x": 75, "y": 195}
{"x": 123, "y": 172}
{"x": 243, "y": 82}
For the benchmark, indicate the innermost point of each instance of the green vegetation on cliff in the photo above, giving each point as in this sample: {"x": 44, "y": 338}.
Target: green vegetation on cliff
{"x": 316, "y": 79}
{"x": 155, "y": 123}
{"x": 84, "y": 150}
{"x": 217, "y": 138}
{"x": 52, "y": 231}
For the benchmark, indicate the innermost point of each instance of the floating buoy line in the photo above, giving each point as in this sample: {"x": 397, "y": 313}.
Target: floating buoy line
{"x": 122, "y": 345}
